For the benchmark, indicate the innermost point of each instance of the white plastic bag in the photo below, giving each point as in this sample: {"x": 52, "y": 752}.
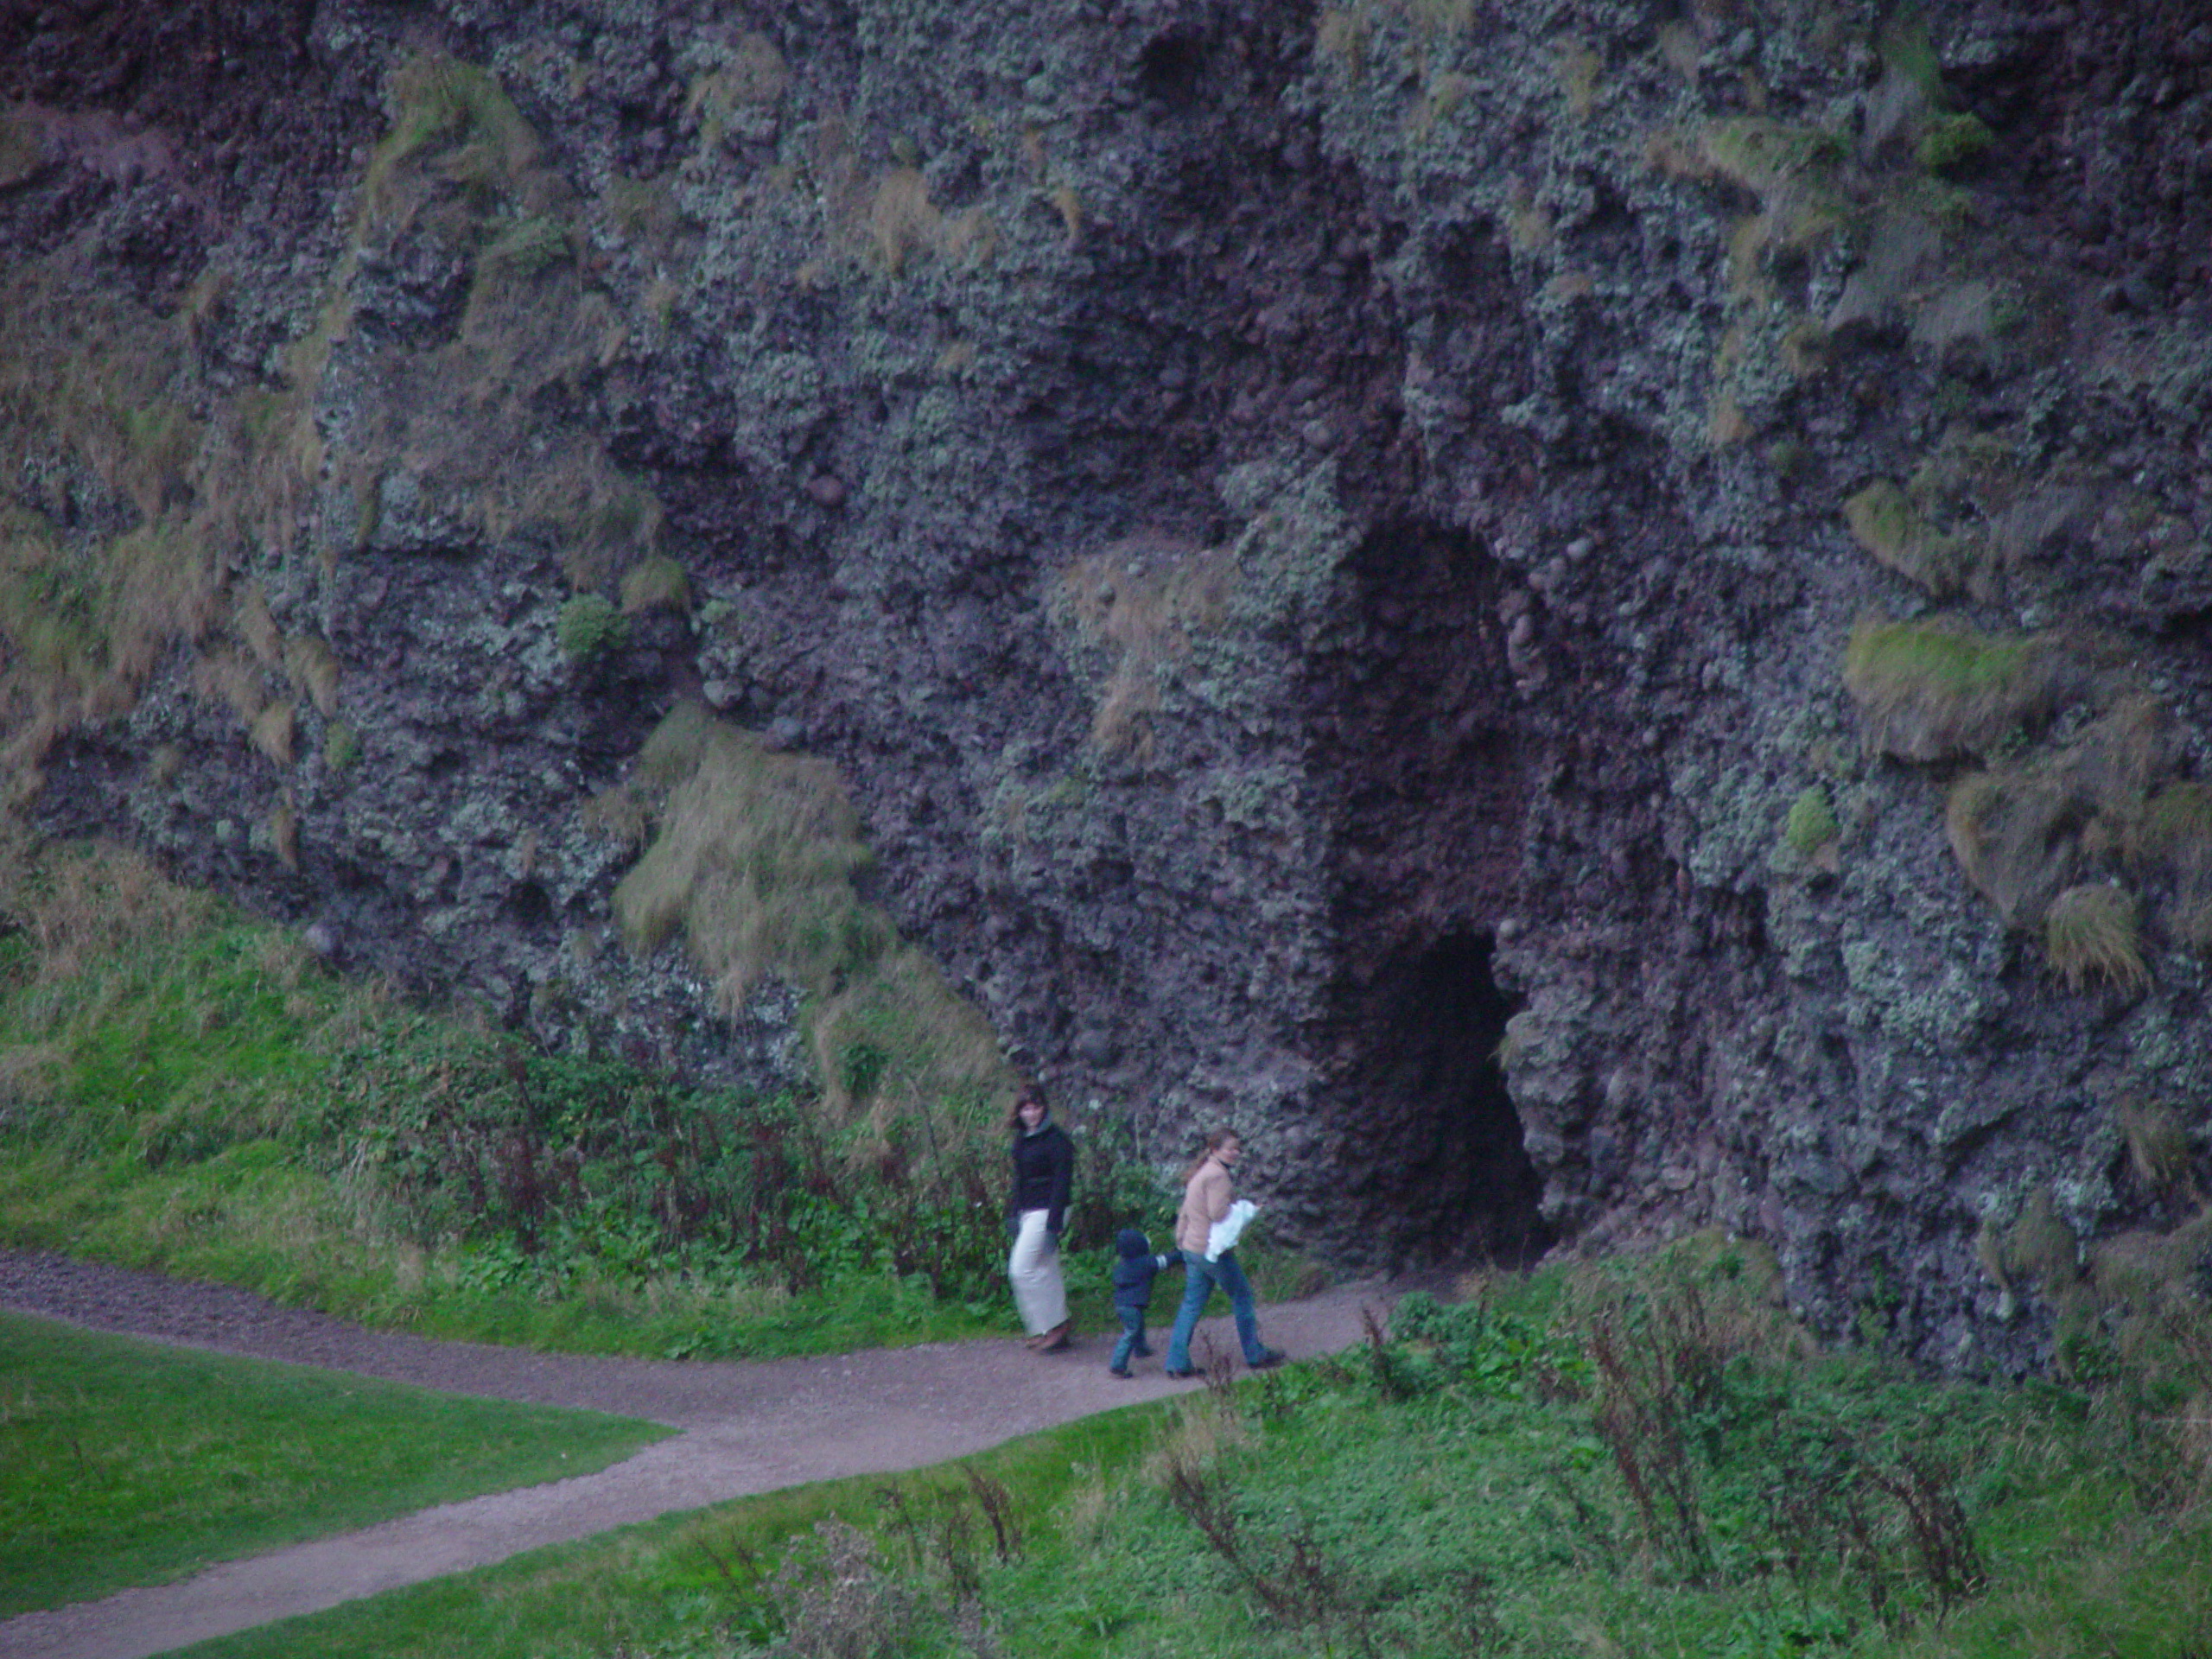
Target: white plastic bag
{"x": 1224, "y": 1234}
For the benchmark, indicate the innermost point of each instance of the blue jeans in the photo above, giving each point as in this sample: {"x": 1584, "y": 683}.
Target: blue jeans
{"x": 1201, "y": 1276}
{"x": 1132, "y": 1341}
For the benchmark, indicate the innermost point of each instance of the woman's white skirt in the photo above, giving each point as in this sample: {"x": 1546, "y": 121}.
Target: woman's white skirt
{"x": 1034, "y": 1267}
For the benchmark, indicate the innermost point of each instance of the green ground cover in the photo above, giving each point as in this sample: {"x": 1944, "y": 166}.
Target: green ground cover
{"x": 124, "y": 1462}
{"x": 185, "y": 1090}
{"x": 1639, "y": 1459}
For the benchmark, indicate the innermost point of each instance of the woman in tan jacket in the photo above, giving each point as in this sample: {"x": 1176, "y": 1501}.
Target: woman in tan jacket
{"x": 1206, "y": 1197}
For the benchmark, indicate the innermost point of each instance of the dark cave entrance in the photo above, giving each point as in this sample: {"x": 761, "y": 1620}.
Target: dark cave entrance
{"x": 1425, "y": 737}
{"x": 1465, "y": 1186}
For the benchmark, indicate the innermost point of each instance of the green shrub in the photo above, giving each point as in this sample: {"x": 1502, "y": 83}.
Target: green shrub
{"x": 1811, "y": 825}
{"x": 589, "y": 627}
{"x": 2090, "y": 934}
{"x": 1473, "y": 1345}
{"x": 341, "y": 746}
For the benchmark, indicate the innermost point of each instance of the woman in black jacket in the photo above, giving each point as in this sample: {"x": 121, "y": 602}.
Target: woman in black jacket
{"x": 1037, "y": 1208}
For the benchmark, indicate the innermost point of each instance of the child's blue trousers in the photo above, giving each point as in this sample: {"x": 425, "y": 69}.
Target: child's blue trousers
{"x": 1132, "y": 1341}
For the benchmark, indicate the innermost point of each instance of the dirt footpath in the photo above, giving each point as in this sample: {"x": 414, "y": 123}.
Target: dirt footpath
{"x": 748, "y": 1427}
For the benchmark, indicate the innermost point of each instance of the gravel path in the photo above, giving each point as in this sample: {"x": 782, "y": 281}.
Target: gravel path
{"x": 748, "y": 1427}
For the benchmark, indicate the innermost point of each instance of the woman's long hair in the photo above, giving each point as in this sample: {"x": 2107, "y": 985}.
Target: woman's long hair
{"x": 1215, "y": 1142}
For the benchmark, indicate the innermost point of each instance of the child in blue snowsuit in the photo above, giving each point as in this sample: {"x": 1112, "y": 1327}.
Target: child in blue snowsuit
{"x": 1133, "y": 1277}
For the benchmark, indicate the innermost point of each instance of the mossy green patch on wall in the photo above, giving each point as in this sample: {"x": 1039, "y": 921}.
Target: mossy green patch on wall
{"x": 1928, "y": 690}
{"x": 453, "y": 117}
{"x": 1952, "y": 140}
{"x": 1811, "y": 825}
{"x": 341, "y": 746}
{"x": 658, "y": 583}
{"x": 1770, "y": 157}
{"x": 1885, "y": 522}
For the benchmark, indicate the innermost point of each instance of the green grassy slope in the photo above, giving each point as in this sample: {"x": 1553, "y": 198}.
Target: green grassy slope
{"x": 1640, "y": 1459}
{"x": 124, "y": 1462}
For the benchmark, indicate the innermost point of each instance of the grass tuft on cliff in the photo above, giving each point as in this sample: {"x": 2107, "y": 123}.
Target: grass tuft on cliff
{"x": 2172, "y": 842}
{"x": 754, "y": 860}
{"x": 2017, "y": 835}
{"x": 1138, "y": 606}
{"x": 1810, "y": 827}
{"x": 1930, "y": 690}
{"x": 2092, "y": 936}
{"x": 1885, "y": 522}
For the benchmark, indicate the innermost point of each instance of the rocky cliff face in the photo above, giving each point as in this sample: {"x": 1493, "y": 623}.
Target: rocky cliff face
{"x": 1586, "y": 618}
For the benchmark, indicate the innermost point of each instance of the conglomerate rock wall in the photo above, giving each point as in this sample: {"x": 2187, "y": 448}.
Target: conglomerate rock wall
{"x": 1586, "y": 619}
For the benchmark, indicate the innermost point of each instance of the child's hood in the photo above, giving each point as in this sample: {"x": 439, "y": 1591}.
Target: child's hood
{"x": 1131, "y": 1244}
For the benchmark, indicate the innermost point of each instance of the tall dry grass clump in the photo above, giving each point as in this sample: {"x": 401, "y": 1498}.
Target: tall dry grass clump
{"x": 81, "y": 906}
{"x": 754, "y": 858}
{"x": 2091, "y": 934}
{"x": 1142, "y": 602}
{"x": 454, "y": 118}
{"x": 94, "y": 396}
{"x": 2017, "y": 835}
{"x": 2173, "y": 841}
{"x": 1930, "y": 690}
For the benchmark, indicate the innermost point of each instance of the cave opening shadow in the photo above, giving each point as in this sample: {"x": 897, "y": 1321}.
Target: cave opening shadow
{"x": 1469, "y": 1189}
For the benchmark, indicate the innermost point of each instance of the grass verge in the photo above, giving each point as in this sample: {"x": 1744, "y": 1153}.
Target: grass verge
{"x": 1641, "y": 1458}
{"x": 126, "y": 1463}
{"x": 187, "y": 1090}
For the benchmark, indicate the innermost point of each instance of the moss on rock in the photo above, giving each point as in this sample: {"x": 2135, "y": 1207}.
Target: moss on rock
{"x": 1930, "y": 690}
